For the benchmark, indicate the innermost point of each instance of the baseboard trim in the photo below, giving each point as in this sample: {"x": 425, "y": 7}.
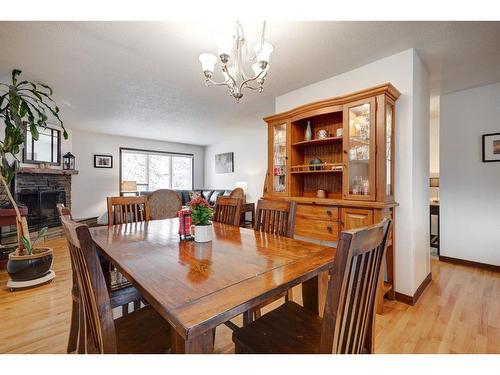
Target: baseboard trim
{"x": 412, "y": 300}
{"x": 470, "y": 263}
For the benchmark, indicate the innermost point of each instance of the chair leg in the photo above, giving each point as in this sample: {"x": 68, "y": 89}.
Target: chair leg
{"x": 81, "y": 331}
{"x": 73, "y": 330}
{"x": 137, "y": 305}
{"x": 257, "y": 313}
{"x": 247, "y": 317}
{"x": 379, "y": 297}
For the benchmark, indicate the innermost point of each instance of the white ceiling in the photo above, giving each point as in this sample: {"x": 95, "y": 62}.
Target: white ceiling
{"x": 143, "y": 78}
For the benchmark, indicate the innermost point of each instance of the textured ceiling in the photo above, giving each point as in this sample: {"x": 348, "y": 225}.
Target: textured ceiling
{"x": 143, "y": 78}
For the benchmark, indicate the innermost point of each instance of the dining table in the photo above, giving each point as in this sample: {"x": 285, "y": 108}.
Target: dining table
{"x": 199, "y": 286}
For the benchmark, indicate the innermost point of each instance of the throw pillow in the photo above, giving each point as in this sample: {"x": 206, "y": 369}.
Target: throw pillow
{"x": 194, "y": 195}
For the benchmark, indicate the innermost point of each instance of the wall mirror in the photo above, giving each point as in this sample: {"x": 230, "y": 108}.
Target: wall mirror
{"x": 47, "y": 149}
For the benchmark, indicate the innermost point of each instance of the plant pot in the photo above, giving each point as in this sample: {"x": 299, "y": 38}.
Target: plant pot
{"x": 30, "y": 267}
{"x": 203, "y": 233}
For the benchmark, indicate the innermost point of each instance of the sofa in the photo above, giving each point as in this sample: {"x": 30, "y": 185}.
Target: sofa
{"x": 209, "y": 194}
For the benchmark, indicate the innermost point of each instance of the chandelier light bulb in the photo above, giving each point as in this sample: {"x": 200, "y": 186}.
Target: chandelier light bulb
{"x": 263, "y": 51}
{"x": 225, "y": 48}
{"x": 208, "y": 62}
{"x": 256, "y": 69}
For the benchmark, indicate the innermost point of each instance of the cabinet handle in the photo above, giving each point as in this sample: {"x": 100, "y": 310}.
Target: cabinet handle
{"x": 329, "y": 213}
{"x": 329, "y": 228}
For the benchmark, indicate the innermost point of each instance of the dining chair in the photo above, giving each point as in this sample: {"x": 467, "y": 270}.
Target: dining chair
{"x": 63, "y": 210}
{"x": 124, "y": 210}
{"x": 164, "y": 204}
{"x": 276, "y": 217}
{"x": 119, "y": 296}
{"x": 228, "y": 210}
{"x": 347, "y": 326}
{"x": 142, "y": 331}
{"x": 238, "y": 193}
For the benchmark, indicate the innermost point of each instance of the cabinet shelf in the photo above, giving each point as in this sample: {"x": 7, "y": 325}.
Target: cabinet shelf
{"x": 317, "y": 168}
{"x": 314, "y": 142}
{"x": 325, "y": 171}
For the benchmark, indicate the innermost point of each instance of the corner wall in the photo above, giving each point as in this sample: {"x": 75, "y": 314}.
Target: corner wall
{"x": 469, "y": 188}
{"x": 250, "y": 162}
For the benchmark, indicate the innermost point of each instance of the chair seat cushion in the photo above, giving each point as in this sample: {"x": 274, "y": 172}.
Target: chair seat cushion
{"x": 124, "y": 296}
{"x": 142, "y": 332}
{"x": 289, "y": 329}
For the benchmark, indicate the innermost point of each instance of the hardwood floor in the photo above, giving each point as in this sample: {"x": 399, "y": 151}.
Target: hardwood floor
{"x": 458, "y": 313}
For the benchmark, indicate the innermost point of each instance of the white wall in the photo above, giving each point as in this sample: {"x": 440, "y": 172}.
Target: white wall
{"x": 92, "y": 185}
{"x": 405, "y": 71}
{"x": 420, "y": 174}
{"x": 250, "y": 162}
{"x": 434, "y": 138}
{"x": 469, "y": 188}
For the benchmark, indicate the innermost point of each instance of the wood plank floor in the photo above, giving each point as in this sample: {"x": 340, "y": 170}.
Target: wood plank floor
{"x": 458, "y": 313}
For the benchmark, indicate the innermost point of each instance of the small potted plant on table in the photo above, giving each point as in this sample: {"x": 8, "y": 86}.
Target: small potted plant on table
{"x": 201, "y": 214}
{"x": 24, "y": 106}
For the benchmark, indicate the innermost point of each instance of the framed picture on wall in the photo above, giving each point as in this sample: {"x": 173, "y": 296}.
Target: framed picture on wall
{"x": 491, "y": 147}
{"x": 103, "y": 161}
{"x": 224, "y": 163}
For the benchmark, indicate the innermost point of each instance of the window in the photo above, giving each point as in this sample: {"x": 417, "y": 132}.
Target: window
{"x": 47, "y": 149}
{"x": 153, "y": 170}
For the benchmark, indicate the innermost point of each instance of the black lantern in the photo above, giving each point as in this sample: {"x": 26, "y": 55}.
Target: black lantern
{"x": 69, "y": 161}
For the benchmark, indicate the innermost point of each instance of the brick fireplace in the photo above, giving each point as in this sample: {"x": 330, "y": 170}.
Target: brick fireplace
{"x": 40, "y": 189}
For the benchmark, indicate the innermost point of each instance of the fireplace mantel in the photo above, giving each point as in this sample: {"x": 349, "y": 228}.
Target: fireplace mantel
{"x": 30, "y": 170}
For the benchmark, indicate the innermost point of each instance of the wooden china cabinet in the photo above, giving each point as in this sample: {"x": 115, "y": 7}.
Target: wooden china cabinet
{"x": 353, "y": 168}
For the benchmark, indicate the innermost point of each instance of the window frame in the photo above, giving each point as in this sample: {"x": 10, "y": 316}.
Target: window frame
{"x": 148, "y": 152}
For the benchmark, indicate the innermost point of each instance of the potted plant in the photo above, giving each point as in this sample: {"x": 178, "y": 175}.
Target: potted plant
{"x": 34, "y": 264}
{"x": 24, "y": 106}
{"x": 201, "y": 214}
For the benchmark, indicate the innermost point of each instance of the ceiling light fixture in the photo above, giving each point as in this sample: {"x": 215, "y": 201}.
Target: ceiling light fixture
{"x": 231, "y": 49}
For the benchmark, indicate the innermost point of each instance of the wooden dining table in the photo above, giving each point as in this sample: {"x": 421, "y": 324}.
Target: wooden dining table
{"x": 198, "y": 286}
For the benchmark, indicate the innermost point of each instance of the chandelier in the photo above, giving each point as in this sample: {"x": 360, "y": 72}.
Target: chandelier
{"x": 231, "y": 50}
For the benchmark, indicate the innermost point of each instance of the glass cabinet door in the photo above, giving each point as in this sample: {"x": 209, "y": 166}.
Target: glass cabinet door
{"x": 359, "y": 179}
{"x": 279, "y": 134}
{"x": 389, "y": 150}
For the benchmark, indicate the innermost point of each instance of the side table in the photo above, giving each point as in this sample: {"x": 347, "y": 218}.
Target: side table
{"x": 247, "y": 207}
{"x": 8, "y": 217}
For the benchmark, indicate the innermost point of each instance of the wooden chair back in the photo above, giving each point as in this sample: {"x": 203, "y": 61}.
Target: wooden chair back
{"x": 63, "y": 210}
{"x": 228, "y": 210}
{"x": 164, "y": 204}
{"x": 348, "y": 320}
{"x": 277, "y": 217}
{"x": 99, "y": 329}
{"x": 238, "y": 193}
{"x": 124, "y": 210}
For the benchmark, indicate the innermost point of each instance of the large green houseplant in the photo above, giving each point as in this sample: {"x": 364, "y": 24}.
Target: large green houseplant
{"x": 24, "y": 106}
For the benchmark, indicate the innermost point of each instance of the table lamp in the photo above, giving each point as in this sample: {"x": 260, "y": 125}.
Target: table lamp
{"x": 129, "y": 186}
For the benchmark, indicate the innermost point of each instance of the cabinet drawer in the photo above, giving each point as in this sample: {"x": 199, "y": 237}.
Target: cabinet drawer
{"x": 353, "y": 218}
{"x": 318, "y": 229}
{"x": 315, "y": 212}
